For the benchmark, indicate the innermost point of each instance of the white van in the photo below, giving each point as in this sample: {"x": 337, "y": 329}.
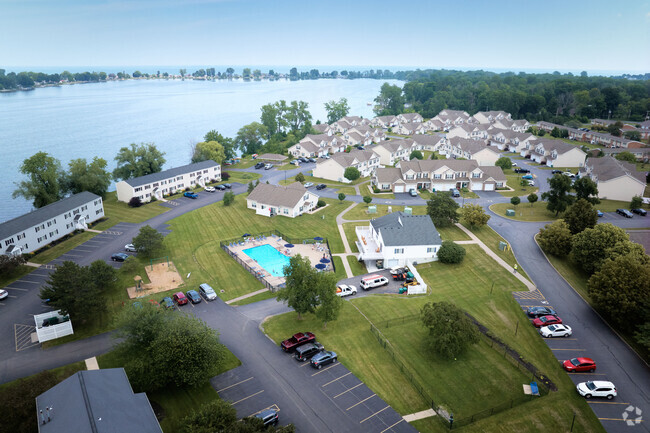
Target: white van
{"x": 207, "y": 292}
{"x": 372, "y": 281}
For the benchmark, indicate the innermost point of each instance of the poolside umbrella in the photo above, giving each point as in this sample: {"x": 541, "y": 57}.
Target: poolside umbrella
{"x": 318, "y": 238}
{"x": 245, "y": 234}
{"x": 324, "y": 260}
{"x": 320, "y": 266}
{"x": 289, "y": 245}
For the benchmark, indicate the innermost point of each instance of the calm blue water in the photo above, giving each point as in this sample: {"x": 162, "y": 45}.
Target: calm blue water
{"x": 269, "y": 258}
{"x": 87, "y": 120}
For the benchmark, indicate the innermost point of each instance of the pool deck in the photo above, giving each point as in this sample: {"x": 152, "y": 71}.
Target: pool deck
{"x": 314, "y": 252}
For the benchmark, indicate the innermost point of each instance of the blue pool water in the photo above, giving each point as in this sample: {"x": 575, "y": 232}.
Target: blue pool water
{"x": 269, "y": 258}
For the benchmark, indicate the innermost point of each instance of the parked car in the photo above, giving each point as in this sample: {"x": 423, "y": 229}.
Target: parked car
{"x": 597, "y": 388}
{"x": 527, "y": 176}
{"x": 303, "y": 159}
{"x": 546, "y": 320}
{"x": 167, "y": 302}
{"x": 521, "y": 170}
{"x": 531, "y": 183}
{"x": 626, "y": 213}
{"x": 568, "y": 173}
{"x": 3, "y": 294}
{"x": 119, "y": 257}
{"x": 180, "y": 298}
{"x": 579, "y": 364}
{"x": 269, "y": 417}
{"x": 311, "y": 160}
{"x": 190, "y": 194}
{"x": 309, "y": 184}
{"x": 306, "y": 351}
{"x": 259, "y": 165}
{"x": 555, "y": 331}
{"x": 268, "y": 166}
{"x": 207, "y": 292}
{"x": 372, "y": 281}
{"x": 323, "y": 358}
{"x": 296, "y": 162}
{"x": 536, "y": 312}
{"x": 130, "y": 248}
{"x": 290, "y": 344}
{"x": 345, "y": 290}
{"x": 321, "y": 186}
{"x": 599, "y": 213}
{"x": 413, "y": 193}
{"x": 556, "y": 171}
{"x": 455, "y": 192}
{"x": 641, "y": 212}
{"x": 221, "y": 187}
{"x": 193, "y": 296}
{"x": 209, "y": 189}
{"x": 227, "y": 185}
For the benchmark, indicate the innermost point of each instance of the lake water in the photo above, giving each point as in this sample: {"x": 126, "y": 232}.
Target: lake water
{"x": 87, "y": 120}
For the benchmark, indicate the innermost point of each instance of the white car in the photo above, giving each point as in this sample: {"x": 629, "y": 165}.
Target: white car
{"x": 531, "y": 183}
{"x": 268, "y": 166}
{"x": 568, "y": 173}
{"x": 345, "y": 290}
{"x": 597, "y": 388}
{"x": 129, "y": 247}
{"x": 309, "y": 184}
{"x": 3, "y": 294}
{"x": 209, "y": 189}
{"x": 555, "y": 331}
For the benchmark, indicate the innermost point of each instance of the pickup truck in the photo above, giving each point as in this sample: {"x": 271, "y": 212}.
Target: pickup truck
{"x": 190, "y": 194}
{"x": 290, "y": 344}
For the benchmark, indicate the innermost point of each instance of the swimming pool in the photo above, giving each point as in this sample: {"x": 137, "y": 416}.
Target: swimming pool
{"x": 269, "y": 258}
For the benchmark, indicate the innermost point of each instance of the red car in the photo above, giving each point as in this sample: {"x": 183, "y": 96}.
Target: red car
{"x": 547, "y": 320}
{"x": 180, "y": 298}
{"x": 579, "y": 364}
{"x": 290, "y": 344}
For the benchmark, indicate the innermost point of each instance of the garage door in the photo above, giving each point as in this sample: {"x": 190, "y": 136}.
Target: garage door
{"x": 399, "y": 188}
{"x": 488, "y": 187}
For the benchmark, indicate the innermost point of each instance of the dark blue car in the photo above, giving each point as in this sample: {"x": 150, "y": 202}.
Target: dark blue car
{"x": 193, "y": 296}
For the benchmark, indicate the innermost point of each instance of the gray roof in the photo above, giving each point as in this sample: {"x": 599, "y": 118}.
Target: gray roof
{"x": 399, "y": 229}
{"x": 427, "y": 139}
{"x": 272, "y": 157}
{"x": 388, "y": 174}
{"x": 346, "y": 159}
{"x": 24, "y": 222}
{"x": 278, "y": 195}
{"x": 493, "y": 171}
{"x": 393, "y": 145}
{"x": 321, "y": 127}
{"x": 172, "y": 172}
{"x": 608, "y": 167}
{"x": 468, "y": 145}
{"x": 411, "y": 116}
{"x": 100, "y": 401}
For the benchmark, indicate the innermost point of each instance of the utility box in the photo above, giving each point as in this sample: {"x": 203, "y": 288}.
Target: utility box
{"x": 503, "y": 246}
{"x": 510, "y": 212}
{"x": 372, "y": 209}
{"x": 408, "y": 210}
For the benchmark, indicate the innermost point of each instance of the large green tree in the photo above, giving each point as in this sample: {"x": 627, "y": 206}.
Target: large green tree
{"x": 229, "y": 147}
{"x": 555, "y": 238}
{"x": 504, "y": 162}
{"x": 389, "y": 101}
{"x": 138, "y": 160}
{"x": 148, "y": 242}
{"x": 451, "y": 252}
{"x": 580, "y": 215}
{"x": 46, "y": 180}
{"x": 586, "y": 189}
{"x": 474, "y": 215}
{"x": 558, "y": 197}
{"x": 250, "y": 137}
{"x": 336, "y": 110}
{"x": 451, "y": 332}
{"x": 300, "y": 290}
{"x": 91, "y": 177}
{"x": 329, "y": 303}
{"x": 591, "y": 247}
{"x": 442, "y": 209}
{"x": 206, "y": 150}
{"x": 352, "y": 173}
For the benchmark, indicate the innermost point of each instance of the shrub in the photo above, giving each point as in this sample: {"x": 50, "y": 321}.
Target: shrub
{"x": 153, "y": 199}
{"x": 321, "y": 203}
{"x": 228, "y": 198}
{"x": 375, "y": 189}
{"x": 187, "y": 188}
{"x": 352, "y": 173}
{"x": 300, "y": 178}
{"x": 504, "y": 162}
{"x": 367, "y": 199}
{"x": 135, "y": 202}
{"x": 451, "y": 252}
{"x": 416, "y": 154}
{"x": 515, "y": 201}
{"x": 225, "y": 175}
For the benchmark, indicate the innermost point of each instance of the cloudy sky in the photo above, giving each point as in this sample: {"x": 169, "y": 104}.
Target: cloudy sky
{"x": 566, "y": 35}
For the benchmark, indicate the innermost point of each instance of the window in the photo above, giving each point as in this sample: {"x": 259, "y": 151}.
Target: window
{"x": 437, "y": 176}
{"x": 476, "y": 175}
{"x": 286, "y": 211}
{"x": 449, "y": 176}
{"x": 431, "y": 250}
{"x": 138, "y": 189}
{"x": 205, "y": 171}
{"x": 147, "y": 187}
{"x": 75, "y": 212}
{"x": 9, "y": 242}
{"x": 399, "y": 250}
{"x": 49, "y": 223}
{"x": 98, "y": 211}
{"x": 253, "y": 204}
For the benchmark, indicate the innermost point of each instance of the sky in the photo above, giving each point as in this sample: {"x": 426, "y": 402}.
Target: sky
{"x": 566, "y": 35}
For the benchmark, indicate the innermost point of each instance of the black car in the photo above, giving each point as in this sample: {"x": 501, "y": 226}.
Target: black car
{"x": 321, "y": 186}
{"x": 303, "y": 159}
{"x": 269, "y": 417}
{"x": 639, "y": 211}
{"x": 536, "y": 312}
{"x": 626, "y": 213}
{"x": 323, "y": 358}
{"x": 259, "y": 165}
{"x": 119, "y": 257}
{"x": 306, "y": 351}
{"x": 193, "y": 296}
{"x": 311, "y": 160}
{"x": 556, "y": 171}
{"x": 521, "y": 170}
{"x": 221, "y": 187}
{"x": 227, "y": 185}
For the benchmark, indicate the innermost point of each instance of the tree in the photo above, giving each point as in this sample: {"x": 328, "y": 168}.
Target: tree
{"x": 158, "y": 345}
{"x": 71, "y": 289}
{"x": 442, "y": 209}
{"x": 416, "y": 154}
{"x": 228, "y": 198}
{"x": 148, "y": 242}
{"x": 216, "y": 416}
{"x": 591, "y": 247}
{"x": 474, "y": 215}
{"x": 297, "y": 115}
{"x": 451, "y": 252}
{"x": 104, "y": 276}
{"x": 451, "y": 332}
{"x": 300, "y": 290}
{"x": 621, "y": 288}
{"x": 336, "y": 110}
{"x": 555, "y": 238}
{"x": 8, "y": 264}
{"x": 504, "y": 162}
{"x": 532, "y": 198}
{"x": 300, "y": 178}
{"x": 632, "y": 135}
{"x": 20, "y": 396}
{"x": 434, "y": 156}
{"x": 515, "y": 200}
{"x": 389, "y": 101}
{"x": 558, "y": 197}
{"x": 341, "y": 197}
{"x": 91, "y": 177}
{"x": 580, "y": 215}
{"x": 229, "y": 147}
{"x": 367, "y": 199}
{"x": 586, "y": 189}
{"x": 352, "y": 173}
{"x": 138, "y": 160}
{"x": 330, "y": 302}
{"x": 249, "y": 137}
{"x": 207, "y": 150}
{"x": 636, "y": 202}
{"x": 46, "y": 180}
{"x": 251, "y": 187}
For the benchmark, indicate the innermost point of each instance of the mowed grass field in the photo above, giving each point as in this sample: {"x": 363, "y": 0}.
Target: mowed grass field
{"x": 451, "y": 383}
{"x": 193, "y": 244}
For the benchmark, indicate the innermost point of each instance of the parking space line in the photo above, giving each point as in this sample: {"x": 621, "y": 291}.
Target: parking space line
{"x": 325, "y": 369}
{"x": 273, "y": 406}
{"x": 615, "y": 419}
{"x": 361, "y": 422}
{"x": 246, "y": 398}
{"x": 349, "y": 389}
{"x": 16, "y": 288}
{"x": 606, "y": 402}
{"x": 332, "y": 381}
{"x": 577, "y": 350}
{"x": 357, "y": 404}
{"x": 305, "y": 364}
{"x": 386, "y": 429}
{"x": 235, "y": 384}
{"x": 29, "y": 282}
{"x": 591, "y": 374}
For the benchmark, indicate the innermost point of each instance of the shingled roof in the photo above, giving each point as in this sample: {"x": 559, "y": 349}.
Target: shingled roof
{"x": 608, "y": 168}
{"x": 400, "y": 229}
{"x": 278, "y": 195}
{"x": 172, "y": 172}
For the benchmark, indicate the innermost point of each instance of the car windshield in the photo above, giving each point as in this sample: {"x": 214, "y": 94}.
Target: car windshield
{"x": 575, "y": 362}
{"x": 591, "y": 385}
{"x": 552, "y": 328}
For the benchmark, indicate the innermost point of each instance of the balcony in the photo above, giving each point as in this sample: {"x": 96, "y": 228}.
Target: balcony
{"x": 368, "y": 248}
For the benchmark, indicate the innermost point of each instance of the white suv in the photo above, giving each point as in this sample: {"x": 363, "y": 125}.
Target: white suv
{"x": 597, "y": 388}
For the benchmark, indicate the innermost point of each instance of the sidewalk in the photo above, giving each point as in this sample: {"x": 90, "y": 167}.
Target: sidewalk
{"x": 348, "y": 251}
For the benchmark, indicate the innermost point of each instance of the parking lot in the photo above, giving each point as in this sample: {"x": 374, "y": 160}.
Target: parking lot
{"x": 392, "y": 287}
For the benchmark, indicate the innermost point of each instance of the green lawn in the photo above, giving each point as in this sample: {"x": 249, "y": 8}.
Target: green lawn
{"x": 452, "y": 233}
{"x": 524, "y": 211}
{"x": 351, "y": 234}
{"x": 18, "y": 273}
{"x": 367, "y": 190}
{"x": 117, "y": 211}
{"x": 286, "y": 167}
{"x": 513, "y": 180}
{"x": 359, "y": 212}
{"x": 347, "y": 190}
{"x": 240, "y": 177}
{"x": 340, "y": 270}
{"x": 332, "y": 183}
{"x": 252, "y": 299}
{"x": 51, "y": 252}
{"x": 358, "y": 268}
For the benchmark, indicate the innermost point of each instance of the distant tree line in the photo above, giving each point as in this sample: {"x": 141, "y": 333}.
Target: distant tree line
{"x": 28, "y": 79}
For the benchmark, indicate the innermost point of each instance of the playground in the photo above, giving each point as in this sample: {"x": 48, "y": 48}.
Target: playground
{"x": 162, "y": 275}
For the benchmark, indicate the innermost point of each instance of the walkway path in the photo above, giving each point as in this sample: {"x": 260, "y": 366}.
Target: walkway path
{"x": 248, "y": 295}
{"x": 348, "y": 251}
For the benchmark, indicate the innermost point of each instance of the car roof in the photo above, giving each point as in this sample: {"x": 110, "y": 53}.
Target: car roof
{"x": 179, "y": 294}
{"x": 265, "y": 413}
{"x": 581, "y": 360}
{"x": 600, "y": 383}
{"x": 194, "y": 292}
